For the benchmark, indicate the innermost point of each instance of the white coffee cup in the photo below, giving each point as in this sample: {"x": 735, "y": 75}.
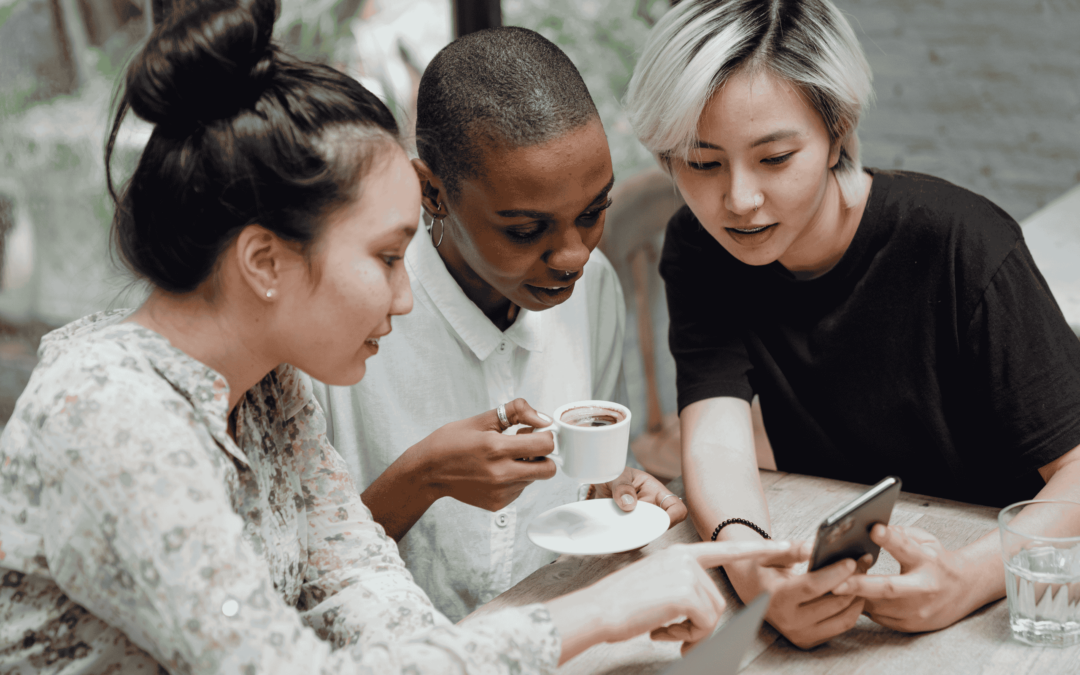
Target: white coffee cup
{"x": 590, "y": 454}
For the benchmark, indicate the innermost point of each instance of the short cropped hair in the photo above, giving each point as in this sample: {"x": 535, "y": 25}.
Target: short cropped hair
{"x": 501, "y": 87}
{"x": 698, "y": 45}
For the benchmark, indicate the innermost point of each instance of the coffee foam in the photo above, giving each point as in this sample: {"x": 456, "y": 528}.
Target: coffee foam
{"x": 592, "y": 416}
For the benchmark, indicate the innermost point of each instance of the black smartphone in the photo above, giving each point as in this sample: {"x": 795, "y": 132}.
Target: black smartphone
{"x": 846, "y": 532}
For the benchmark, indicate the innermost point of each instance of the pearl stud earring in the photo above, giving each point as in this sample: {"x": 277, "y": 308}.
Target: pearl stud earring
{"x": 269, "y": 293}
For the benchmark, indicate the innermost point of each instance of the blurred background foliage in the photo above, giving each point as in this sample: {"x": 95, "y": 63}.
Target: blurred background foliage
{"x": 985, "y": 93}
{"x": 603, "y": 38}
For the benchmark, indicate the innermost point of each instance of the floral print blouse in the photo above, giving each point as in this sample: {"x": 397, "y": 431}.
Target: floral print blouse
{"x": 137, "y": 537}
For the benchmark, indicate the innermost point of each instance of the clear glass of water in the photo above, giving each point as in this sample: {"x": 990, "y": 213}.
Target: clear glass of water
{"x": 1040, "y": 545}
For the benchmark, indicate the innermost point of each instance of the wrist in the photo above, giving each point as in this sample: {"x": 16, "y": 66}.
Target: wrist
{"x": 744, "y": 575}
{"x": 416, "y": 471}
{"x": 581, "y": 620}
{"x": 981, "y": 574}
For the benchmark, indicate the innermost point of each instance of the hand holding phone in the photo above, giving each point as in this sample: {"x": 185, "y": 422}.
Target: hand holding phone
{"x": 846, "y": 532}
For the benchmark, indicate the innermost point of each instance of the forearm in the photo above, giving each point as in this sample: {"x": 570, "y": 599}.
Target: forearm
{"x": 580, "y": 622}
{"x": 721, "y": 476}
{"x": 720, "y": 468}
{"x": 400, "y": 495}
{"x": 983, "y": 557}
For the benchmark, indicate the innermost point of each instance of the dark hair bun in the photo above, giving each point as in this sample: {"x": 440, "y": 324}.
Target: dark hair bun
{"x": 205, "y": 61}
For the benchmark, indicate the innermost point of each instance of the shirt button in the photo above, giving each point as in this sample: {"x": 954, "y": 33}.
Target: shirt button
{"x": 501, "y": 520}
{"x": 503, "y": 347}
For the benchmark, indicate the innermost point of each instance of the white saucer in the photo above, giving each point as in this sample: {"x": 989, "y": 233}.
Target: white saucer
{"x": 596, "y": 527}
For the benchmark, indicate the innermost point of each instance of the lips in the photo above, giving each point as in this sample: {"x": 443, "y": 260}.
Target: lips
{"x": 752, "y": 230}
{"x": 753, "y": 234}
{"x": 372, "y": 342}
{"x": 551, "y": 295}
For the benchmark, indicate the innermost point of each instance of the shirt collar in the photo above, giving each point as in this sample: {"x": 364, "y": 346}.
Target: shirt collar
{"x": 201, "y": 385}
{"x": 468, "y": 321}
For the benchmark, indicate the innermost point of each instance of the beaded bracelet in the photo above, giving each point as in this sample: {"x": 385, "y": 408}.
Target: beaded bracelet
{"x": 741, "y": 521}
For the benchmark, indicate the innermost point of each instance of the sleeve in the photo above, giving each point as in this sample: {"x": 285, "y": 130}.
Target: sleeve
{"x": 607, "y": 321}
{"x": 711, "y": 359}
{"x": 146, "y": 538}
{"x": 1024, "y": 364}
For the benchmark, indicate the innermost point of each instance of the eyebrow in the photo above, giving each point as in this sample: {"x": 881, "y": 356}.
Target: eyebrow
{"x": 768, "y": 138}
{"x": 541, "y": 215}
{"x": 405, "y": 230}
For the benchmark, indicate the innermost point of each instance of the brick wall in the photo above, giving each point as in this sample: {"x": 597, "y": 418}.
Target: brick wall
{"x": 984, "y": 93}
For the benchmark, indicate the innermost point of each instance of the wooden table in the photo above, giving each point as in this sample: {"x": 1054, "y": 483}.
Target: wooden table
{"x": 981, "y": 643}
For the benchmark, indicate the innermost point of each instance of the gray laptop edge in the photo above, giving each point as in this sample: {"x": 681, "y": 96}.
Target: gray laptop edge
{"x": 723, "y": 652}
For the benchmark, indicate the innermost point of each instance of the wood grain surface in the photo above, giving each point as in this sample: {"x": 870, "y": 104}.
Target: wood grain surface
{"x": 980, "y": 644}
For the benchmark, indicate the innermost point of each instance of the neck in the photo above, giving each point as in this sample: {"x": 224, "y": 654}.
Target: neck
{"x": 495, "y": 306}
{"x": 827, "y": 237}
{"x": 211, "y": 334}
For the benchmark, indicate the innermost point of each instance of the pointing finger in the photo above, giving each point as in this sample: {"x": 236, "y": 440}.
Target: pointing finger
{"x": 720, "y": 553}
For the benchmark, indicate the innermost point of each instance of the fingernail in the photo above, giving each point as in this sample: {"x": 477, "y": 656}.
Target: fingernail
{"x": 841, "y": 589}
{"x": 627, "y": 499}
{"x": 544, "y": 417}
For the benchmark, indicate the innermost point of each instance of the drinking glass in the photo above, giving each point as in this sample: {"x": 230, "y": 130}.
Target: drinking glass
{"x": 1040, "y": 545}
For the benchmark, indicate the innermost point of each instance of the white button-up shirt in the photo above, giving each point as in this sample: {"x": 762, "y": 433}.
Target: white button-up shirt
{"x": 446, "y": 361}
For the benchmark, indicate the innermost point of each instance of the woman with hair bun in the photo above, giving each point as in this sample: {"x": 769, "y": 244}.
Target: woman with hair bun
{"x": 169, "y": 501}
{"x": 891, "y": 322}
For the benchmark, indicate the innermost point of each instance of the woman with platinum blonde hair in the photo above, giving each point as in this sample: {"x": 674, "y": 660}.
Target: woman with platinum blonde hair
{"x": 891, "y": 322}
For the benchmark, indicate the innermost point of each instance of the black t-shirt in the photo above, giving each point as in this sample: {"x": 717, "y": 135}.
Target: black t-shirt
{"x": 933, "y": 350}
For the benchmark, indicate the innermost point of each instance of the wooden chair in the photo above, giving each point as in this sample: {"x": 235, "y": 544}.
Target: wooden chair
{"x": 634, "y": 232}
{"x": 633, "y": 237}
{"x": 16, "y": 238}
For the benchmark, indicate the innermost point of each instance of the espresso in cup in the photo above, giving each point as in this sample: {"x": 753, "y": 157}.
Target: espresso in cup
{"x": 592, "y": 416}
{"x": 591, "y": 440}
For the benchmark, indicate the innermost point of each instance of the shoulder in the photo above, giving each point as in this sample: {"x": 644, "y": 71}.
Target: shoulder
{"x": 931, "y": 207}
{"x": 603, "y": 292}
{"x": 100, "y": 405}
{"x": 690, "y": 249}
{"x": 99, "y": 365}
{"x": 686, "y": 236}
{"x": 600, "y": 277}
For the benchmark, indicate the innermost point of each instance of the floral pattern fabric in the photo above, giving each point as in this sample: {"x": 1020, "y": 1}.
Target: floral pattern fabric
{"x": 137, "y": 537}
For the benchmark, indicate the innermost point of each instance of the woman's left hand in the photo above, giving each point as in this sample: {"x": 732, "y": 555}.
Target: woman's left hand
{"x": 634, "y": 485}
{"x": 930, "y": 592}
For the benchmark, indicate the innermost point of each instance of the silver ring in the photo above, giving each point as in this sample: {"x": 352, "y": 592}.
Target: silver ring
{"x": 501, "y": 412}
{"x": 667, "y": 497}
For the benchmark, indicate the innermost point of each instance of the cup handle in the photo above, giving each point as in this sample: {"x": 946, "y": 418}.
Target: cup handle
{"x": 554, "y": 429}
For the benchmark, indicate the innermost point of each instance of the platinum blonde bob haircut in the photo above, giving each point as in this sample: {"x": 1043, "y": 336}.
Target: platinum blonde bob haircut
{"x": 698, "y": 45}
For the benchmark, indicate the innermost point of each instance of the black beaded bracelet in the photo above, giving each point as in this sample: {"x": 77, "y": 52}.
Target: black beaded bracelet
{"x": 741, "y": 521}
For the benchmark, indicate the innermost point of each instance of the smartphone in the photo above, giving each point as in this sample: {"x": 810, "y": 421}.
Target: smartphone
{"x": 846, "y": 532}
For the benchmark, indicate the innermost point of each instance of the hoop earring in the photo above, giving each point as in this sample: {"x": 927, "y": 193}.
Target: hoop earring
{"x": 436, "y": 217}
{"x": 442, "y": 231}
